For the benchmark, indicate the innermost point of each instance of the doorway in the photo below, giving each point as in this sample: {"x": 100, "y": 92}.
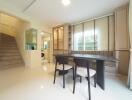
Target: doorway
{"x": 45, "y": 48}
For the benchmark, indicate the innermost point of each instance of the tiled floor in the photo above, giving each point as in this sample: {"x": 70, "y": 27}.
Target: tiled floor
{"x": 37, "y": 84}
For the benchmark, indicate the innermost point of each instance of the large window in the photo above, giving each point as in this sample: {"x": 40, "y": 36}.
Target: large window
{"x": 101, "y": 33}
{"x": 89, "y": 35}
{"x": 94, "y": 35}
{"x": 78, "y": 37}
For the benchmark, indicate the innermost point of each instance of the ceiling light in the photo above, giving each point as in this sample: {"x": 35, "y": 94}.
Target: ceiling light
{"x": 66, "y": 2}
{"x": 41, "y": 86}
{"x": 42, "y": 33}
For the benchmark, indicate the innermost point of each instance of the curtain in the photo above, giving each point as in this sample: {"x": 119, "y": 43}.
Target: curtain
{"x": 101, "y": 33}
{"x": 78, "y": 37}
{"x": 89, "y": 35}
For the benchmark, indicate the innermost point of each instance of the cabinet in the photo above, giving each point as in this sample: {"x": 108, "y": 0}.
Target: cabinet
{"x": 122, "y": 43}
{"x": 61, "y": 41}
{"x": 58, "y": 37}
{"x": 31, "y": 39}
{"x": 121, "y": 29}
{"x": 123, "y": 62}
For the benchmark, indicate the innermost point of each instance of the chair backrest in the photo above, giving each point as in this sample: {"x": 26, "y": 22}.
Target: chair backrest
{"x": 81, "y": 62}
{"x": 61, "y": 59}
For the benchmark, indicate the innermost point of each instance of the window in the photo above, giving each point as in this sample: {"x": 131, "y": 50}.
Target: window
{"x": 101, "y": 33}
{"x": 78, "y": 37}
{"x": 89, "y": 35}
{"x": 94, "y": 35}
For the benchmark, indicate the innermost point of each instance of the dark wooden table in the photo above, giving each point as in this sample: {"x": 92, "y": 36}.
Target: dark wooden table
{"x": 99, "y": 63}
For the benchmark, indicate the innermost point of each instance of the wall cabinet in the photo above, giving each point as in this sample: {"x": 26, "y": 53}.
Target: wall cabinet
{"x": 61, "y": 39}
{"x": 122, "y": 43}
{"x": 121, "y": 29}
{"x": 123, "y": 62}
{"x": 31, "y": 39}
{"x": 58, "y": 37}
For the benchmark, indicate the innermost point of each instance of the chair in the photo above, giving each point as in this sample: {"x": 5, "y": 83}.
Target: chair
{"x": 63, "y": 66}
{"x": 83, "y": 70}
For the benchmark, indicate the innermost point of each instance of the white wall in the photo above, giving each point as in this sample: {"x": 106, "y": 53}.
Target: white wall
{"x": 32, "y": 58}
{"x": 21, "y": 43}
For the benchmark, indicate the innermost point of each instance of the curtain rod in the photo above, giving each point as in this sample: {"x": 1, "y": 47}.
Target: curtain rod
{"x": 92, "y": 19}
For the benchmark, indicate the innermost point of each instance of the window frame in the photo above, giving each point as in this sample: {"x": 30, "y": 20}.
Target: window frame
{"x": 95, "y": 49}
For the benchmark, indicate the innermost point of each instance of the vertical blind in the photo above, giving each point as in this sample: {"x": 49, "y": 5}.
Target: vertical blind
{"x": 94, "y": 35}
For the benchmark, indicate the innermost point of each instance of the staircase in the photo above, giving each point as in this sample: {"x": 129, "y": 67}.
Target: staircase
{"x": 9, "y": 53}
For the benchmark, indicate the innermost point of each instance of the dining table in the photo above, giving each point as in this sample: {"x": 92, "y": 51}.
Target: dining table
{"x": 99, "y": 64}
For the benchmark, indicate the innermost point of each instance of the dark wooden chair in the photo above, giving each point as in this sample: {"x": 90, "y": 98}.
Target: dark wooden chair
{"x": 62, "y": 66}
{"x": 82, "y": 69}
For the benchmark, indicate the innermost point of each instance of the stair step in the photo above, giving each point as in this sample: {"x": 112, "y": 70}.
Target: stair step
{"x": 11, "y": 66}
{"x": 10, "y": 57}
{"x": 8, "y": 43}
{"x": 7, "y": 37}
{"x": 8, "y": 40}
{"x": 9, "y": 54}
{"x": 10, "y": 46}
{"x": 9, "y": 51}
{"x": 10, "y": 62}
{"x": 4, "y": 47}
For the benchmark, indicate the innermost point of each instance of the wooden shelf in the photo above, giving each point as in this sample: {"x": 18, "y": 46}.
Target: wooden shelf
{"x": 61, "y": 41}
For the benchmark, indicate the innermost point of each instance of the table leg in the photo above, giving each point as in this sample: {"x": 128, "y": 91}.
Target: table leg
{"x": 100, "y": 73}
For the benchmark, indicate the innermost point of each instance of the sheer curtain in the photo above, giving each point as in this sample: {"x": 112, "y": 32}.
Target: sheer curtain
{"x": 130, "y": 31}
{"x": 101, "y": 33}
{"x": 89, "y": 35}
{"x": 78, "y": 37}
{"x": 95, "y": 34}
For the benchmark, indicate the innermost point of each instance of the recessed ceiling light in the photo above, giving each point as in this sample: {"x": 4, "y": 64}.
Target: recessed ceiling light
{"x": 66, "y": 2}
{"x": 42, "y": 33}
{"x": 41, "y": 86}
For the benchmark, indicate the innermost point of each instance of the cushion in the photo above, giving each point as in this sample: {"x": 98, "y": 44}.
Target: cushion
{"x": 66, "y": 67}
{"x": 81, "y": 71}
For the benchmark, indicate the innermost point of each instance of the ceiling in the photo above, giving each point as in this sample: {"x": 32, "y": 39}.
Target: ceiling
{"x": 52, "y": 12}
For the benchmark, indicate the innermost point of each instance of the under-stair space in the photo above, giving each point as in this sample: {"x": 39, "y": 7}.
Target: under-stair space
{"x": 9, "y": 53}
